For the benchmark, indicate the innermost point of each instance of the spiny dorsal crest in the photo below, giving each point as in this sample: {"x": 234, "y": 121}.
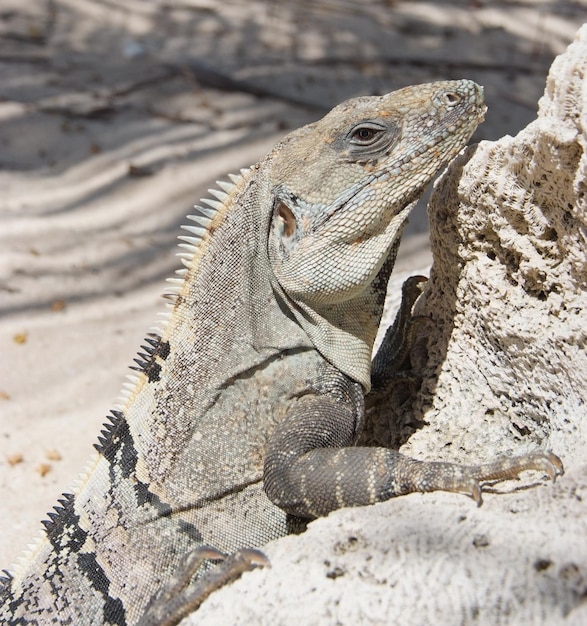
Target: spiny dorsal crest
{"x": 205, "y": 220}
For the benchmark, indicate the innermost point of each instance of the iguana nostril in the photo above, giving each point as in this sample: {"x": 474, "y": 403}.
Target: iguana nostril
{"x": 451, "y": 98}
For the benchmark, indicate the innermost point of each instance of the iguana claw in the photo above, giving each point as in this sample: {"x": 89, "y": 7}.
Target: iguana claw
{"x": 553, "y": 466}
{"x": 184, "y": 595}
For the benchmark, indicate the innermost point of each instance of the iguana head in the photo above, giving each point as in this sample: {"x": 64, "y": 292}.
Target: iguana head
{"x": 341, "y": 184}
{"x": 341, "y": 190}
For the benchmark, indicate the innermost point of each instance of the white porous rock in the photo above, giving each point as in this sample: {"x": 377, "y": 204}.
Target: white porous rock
{"x": 505, "y": 365}
{"x": 504, "y": 370}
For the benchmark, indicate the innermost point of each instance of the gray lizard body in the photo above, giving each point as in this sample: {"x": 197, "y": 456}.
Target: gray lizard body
{"x": 249, "y": 398}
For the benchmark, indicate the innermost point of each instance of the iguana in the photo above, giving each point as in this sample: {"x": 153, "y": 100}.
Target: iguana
{"x": 241, "y": 419}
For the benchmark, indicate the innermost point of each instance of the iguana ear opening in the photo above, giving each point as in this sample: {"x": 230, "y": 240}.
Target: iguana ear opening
{"x": 285, "y": 220}
{"x": 292, "y": 221}
{"x": 284, "y": 231}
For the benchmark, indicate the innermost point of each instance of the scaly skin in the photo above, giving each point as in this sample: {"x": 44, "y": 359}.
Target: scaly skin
{"x": 249, "y": 399}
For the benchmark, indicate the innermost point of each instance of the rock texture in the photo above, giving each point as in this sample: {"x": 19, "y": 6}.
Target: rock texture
{"x": 503, "y": 368}
{"x": 505, "y": 365}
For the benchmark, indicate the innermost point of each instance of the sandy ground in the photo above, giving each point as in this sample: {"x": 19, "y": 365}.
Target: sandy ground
{"x": 112, "y": 125}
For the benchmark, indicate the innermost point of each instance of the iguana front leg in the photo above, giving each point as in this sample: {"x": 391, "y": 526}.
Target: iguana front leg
{"x": 388, "y": 365}
{"x": 311, "y": 469}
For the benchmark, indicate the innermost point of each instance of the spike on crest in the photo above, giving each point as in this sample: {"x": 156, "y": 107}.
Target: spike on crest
{"x": 225, "y": 186}
{"x": 198, "y": 231}
{"x": 214, "y": 204}
{"x": 203, "y": 211}
{"x": 113, "y": 422}
{"x": 194, "y": 241}
{"x": 201, "y": 220}
{"x": 100, "y": 446}
{"x": 219, "y": 194}
{"x": 175, "y": 281}
{"x": 66, "y": 499}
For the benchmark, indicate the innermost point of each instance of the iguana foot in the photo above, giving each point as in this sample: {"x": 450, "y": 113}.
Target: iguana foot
{"x": 506, "y": 468}
{"x": 182, "y": 596}
{"x": 433, "y": 476}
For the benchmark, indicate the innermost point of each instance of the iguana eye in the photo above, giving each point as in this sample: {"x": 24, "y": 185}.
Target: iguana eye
{"x": 369, "y": 140}
{"x": 365, "y": 135}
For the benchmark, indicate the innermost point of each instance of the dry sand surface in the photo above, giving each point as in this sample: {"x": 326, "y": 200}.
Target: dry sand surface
{"x": 116, "y": 117}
